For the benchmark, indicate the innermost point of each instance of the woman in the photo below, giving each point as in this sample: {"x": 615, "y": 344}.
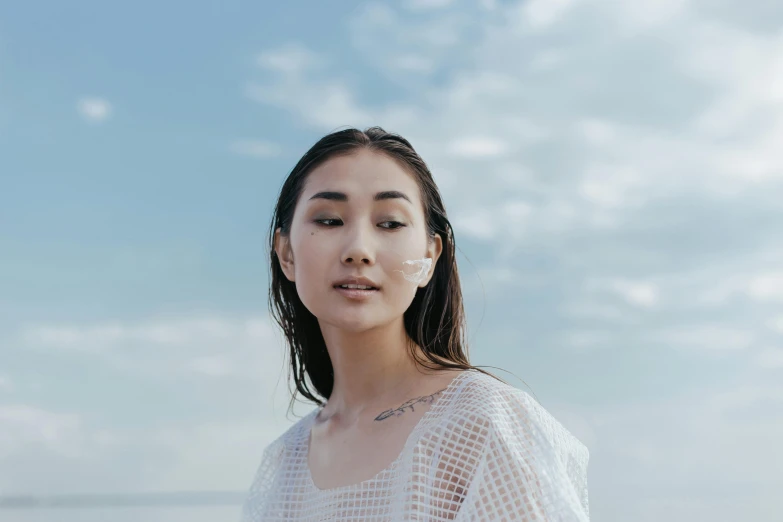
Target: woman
{"x": 364, "y": 284}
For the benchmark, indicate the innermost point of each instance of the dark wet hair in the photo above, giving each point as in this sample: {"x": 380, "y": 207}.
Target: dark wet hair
{"x": 435, "y": 319}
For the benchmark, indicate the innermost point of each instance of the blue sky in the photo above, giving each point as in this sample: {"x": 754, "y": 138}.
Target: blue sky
{"x": 612, "y": 169}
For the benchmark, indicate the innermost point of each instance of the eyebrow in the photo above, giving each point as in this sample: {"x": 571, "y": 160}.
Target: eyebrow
{"x": 380, "y": 196}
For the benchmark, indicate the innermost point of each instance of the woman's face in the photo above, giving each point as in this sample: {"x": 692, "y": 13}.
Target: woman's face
{"x": 358, "y": 216}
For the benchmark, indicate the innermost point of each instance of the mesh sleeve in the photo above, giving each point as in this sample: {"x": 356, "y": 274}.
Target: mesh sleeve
{"x": 257, "y": 502}
{"x": 531, "y": 470}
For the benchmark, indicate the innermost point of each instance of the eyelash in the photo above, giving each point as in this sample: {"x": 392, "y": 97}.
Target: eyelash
{"x": 320, "y": 222}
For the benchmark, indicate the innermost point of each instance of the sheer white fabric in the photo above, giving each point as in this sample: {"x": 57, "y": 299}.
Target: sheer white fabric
{"x": 484, "y": 451}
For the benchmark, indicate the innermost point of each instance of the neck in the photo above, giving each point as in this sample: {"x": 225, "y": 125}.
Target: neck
{"x": 369, "y": 367}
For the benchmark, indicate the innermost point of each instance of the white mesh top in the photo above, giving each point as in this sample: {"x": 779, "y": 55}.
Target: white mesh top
{"x": 484, "y": 451}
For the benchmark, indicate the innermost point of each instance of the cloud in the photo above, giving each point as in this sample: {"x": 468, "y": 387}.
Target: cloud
{"x": 208, "y": 346}
{"x": 582, "y": 339}
{"x": 417, "y": 5}
{"x": 23, "y": 425}
{"x": 230, "y": 450}
{"x": 213, "y": 365}
{"x": 256, "y": 148}
{"x": 412, "y": 63}
{"x": 761, "y": 285}
{"x": 478, "y": 147}
{"x": 767, "y": 287}
{"x": 678, "y": 450}
{"x": 638, "y": 293}
{"x": 95, "y": 110}
{"x": 290, "y": 59}
{"x": 770, "y": 358}
{"x": 298, "y": 68}
{"x": 709, "y": 338}
{"x": 437, "y": 26}
{"x": 44, "y": 452}
{"x": 227, "y": 358}
{"x": 776, "y": 324}
{"x": 540, "y": 14}
{"x": 171, "y": 332}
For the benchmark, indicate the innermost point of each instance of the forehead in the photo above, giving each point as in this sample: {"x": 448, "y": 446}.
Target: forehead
{"x": 361, "y": 175}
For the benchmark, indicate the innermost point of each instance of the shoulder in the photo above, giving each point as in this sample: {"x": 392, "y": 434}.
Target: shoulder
{"x": 485, "y": 399}
{"x": 291, "y": 436}
{"x": 524, "y": 452}
{"x": 273, "y": 453}
{"x": 272, "y": 461}
{"x": 494, "y": 408}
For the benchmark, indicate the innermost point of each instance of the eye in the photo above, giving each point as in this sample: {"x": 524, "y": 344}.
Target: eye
{"x": 397, "y": 223}
{"x": 323, "y": 221}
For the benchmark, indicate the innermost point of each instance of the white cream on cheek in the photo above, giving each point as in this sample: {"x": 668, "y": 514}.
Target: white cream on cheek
{"x": 421, "y": 267}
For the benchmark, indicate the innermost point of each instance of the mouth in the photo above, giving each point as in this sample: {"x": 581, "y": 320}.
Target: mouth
{"x": 357, "y": 292}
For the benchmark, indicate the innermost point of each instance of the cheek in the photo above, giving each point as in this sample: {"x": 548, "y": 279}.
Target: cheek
{"x": 309, "y": 248}
{"x": 400, "y": 291}
{"x": 309, "y": 264}
{"x": 393, "y": 260}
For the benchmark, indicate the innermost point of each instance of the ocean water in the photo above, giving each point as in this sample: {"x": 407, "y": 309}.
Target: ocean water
{"x": 124, "y": 514}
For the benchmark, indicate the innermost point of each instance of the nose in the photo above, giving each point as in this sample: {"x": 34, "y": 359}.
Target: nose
{"x": 358, "y": 250}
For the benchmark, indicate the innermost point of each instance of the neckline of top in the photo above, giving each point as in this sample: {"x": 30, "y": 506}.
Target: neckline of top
{"x": 413, "y": 437}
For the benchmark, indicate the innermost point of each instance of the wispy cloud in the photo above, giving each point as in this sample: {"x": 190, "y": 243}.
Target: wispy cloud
{"x": 771, "y": 357}
{"x": 638, "y": 293}
{"x": 540, "y": 14}
{"x": 256, "y": 148}
{"x": 171, "y": 456}
{"x": 95, "y": 110}
{"x": 234, "y": 357}
{"x": 708, "y": 338}
{"x": 680, "y": 448}
{"x": 290, "y": 59}
{"x": 210, "y": 346}
{"x": 427, "y": 4}
{"x": 478, "y": 147}
{"x": 24, "y": 425}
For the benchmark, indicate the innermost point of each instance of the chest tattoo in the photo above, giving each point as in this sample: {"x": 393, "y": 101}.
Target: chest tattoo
{"x": 396, "y": 412}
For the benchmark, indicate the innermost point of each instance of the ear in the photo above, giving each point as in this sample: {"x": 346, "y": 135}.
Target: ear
{"x": 434, "y": 249}
{"x": 285, "y": 256}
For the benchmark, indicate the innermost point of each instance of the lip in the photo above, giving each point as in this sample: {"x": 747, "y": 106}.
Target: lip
{"x": 356, "y": 281}
{"x": 356, "y": 294}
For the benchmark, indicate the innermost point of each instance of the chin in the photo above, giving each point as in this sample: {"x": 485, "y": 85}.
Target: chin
{"x": 357, "y": 325}
{"x": 353, "y": 321}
